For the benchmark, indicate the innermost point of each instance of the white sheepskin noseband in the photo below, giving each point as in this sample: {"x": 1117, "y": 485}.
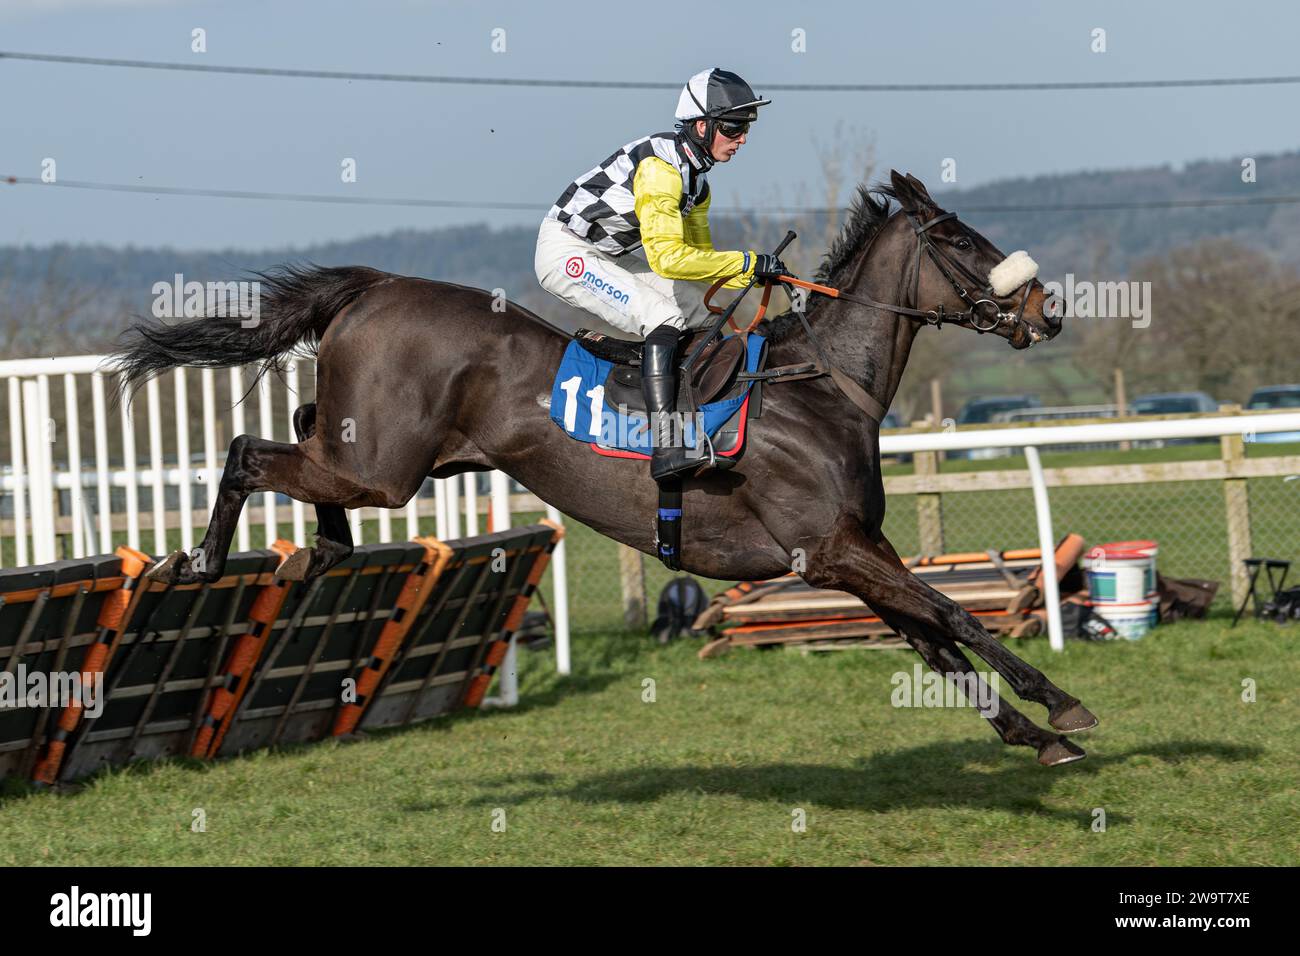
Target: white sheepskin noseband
{"x": 1012, "y": 272}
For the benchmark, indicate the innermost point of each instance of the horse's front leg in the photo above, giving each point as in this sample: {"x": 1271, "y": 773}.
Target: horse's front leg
{"x": 1064, "y": 712}
{"x": 848, "y": 560}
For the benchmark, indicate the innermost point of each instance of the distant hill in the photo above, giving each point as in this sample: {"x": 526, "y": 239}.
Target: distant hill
{"x": 104, "y": 285}
{"x": 1115, "y": 238}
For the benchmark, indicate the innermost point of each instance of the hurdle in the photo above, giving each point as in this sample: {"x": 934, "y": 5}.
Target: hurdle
{"x": 395, "y": 634}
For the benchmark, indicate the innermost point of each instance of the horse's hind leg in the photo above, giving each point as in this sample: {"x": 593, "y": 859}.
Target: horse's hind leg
{"x": 333, "y": 534}
{"x": 1064, "y": 713}
{"x": 252, "y": 465}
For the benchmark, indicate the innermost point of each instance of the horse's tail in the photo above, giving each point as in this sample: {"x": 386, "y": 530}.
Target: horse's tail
{"x": 294, "y": 307}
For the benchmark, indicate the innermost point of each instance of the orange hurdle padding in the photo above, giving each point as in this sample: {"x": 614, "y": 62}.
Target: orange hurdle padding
{"x": 112, "y": 619}
{"x": 1068, "y": 552}
{"x": 415, "y": 591}
{"x": 243, "y": 658}
{"x": 974, "y": 557}
{"x": 497, "y": 651}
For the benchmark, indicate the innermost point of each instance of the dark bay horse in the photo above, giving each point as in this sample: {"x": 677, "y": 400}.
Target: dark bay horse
{"x": 418, "y": 378}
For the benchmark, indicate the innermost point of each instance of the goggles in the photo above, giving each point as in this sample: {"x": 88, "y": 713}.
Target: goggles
{"x": 733, "y": 130}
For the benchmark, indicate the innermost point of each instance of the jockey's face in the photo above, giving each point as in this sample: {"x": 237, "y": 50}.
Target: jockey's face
{"x": 722, "y": 148}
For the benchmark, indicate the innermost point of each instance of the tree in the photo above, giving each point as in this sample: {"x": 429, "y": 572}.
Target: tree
{"x": 1225, "y": 318}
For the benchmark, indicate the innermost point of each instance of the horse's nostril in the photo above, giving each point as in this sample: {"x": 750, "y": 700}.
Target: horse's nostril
{"x": 1053, "y": 311}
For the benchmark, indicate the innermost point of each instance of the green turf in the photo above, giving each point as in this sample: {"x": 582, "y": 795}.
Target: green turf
{"x": 585, "y": 772}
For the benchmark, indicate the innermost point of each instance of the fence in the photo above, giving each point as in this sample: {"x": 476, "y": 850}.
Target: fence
{"x": 1175, "y": 495}
{"x": 86, "y": 474}
{"x": 1208, "y": 503}
{"x": 104, "y": 476}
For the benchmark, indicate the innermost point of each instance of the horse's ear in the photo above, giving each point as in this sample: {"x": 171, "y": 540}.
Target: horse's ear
{"x": 910, "y": 193}
{"x": 918, "y": 188}
{"x": 902, "y": 188}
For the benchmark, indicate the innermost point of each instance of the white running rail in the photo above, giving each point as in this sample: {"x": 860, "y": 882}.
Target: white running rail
{"x": 75, "y": 479}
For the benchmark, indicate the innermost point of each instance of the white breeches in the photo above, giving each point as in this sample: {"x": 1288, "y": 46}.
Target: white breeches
{"x": 623, "y": 291}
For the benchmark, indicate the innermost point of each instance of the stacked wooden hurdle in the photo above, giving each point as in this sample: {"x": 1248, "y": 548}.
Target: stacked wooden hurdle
{"x": 1000, "y": 588}
{"x": 396, "y": 633}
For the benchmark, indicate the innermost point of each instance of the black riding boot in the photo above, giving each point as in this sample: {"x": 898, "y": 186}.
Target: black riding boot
{"x": 659, "y": 388}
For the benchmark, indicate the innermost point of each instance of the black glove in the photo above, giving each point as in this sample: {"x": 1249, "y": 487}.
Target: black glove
{"x": 769, "y": 267}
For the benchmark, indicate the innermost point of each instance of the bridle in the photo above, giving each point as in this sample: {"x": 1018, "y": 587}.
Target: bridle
{"x": 984, "y": 314}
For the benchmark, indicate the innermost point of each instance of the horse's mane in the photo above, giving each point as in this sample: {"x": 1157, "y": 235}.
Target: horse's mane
{"x": 868, "y": 212}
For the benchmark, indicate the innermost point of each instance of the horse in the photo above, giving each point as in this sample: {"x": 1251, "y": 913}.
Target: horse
{"x": 418, "y": 378}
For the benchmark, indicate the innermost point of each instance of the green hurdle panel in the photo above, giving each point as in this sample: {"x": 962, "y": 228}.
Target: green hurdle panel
{"x": 451, "y": 645}
{"x": 48, "y": 618}
{"x": 298, "y": 686}
{"x": 166, "y": 663}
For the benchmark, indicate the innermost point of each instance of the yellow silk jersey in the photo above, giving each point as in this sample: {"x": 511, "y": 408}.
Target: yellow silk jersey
{"x": 680, "y": 247}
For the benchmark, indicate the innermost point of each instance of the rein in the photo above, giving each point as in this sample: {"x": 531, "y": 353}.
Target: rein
{"x": 983, "y": 310}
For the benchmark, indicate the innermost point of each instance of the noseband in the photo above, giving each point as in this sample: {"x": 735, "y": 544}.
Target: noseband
{"x": 983, "y": 310}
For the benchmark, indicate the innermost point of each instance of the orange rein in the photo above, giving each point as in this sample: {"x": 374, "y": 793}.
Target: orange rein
{"x": 767, "y": 294}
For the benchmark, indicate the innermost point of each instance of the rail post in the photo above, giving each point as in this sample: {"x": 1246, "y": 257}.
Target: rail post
{"x": 929, "y": 505}
{"x": 1047, "y": 548}
{"x": 631, "y": 570}
{"x": 1236, "y": 501}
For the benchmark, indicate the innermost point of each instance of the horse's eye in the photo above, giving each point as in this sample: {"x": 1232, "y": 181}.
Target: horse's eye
{"x": 963, "y": 244}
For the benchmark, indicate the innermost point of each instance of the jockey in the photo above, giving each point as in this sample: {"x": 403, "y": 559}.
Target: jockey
{"x": 629, "y": 241}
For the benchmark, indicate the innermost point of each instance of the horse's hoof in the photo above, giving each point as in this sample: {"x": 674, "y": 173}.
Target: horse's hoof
{"x": 1071, "y": 717}
{"x": 295, "y": 566}
{"x": 168, "y": 570}
{"x": 1059, "y": 751}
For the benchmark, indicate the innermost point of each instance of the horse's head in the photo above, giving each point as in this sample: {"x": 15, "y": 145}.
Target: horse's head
{"x": 961, "y": 277}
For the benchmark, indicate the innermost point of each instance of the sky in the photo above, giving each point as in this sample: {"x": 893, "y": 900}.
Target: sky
{"x": 524, "y": 145}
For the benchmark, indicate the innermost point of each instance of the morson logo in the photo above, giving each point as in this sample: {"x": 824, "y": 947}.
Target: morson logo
{"x": 574, "y": 267}
{"x": 597, "y": 284}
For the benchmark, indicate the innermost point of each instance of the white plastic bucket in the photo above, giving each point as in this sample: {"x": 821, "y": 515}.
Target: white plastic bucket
{"x": 1130, "y": 621}
{"x": 1122, "y": 585}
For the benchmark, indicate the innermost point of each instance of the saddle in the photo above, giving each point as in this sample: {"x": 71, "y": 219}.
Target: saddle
{"x": 713, "y": 376}
{"x": 596, "y": 398}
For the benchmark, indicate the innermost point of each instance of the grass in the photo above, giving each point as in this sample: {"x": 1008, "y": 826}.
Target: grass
{"x": 585, "y": 772}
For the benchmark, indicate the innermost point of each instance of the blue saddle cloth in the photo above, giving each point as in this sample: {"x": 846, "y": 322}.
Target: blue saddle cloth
{"x": 579, "y": 407}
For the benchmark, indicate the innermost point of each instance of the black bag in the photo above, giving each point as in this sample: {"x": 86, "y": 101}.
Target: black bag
{"x": 1184, "y": 597}
{"x": 1082, "y": 622}
{"x": 682, "y": 601}
{"x": 1282, "y": 609}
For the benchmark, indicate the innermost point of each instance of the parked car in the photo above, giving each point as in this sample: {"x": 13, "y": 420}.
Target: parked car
{"x": 1279, "y": 398}
{"x": 1057, "y": 412}
{"x": 980, "y": 411}
{"x": 1172, "y": 403}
